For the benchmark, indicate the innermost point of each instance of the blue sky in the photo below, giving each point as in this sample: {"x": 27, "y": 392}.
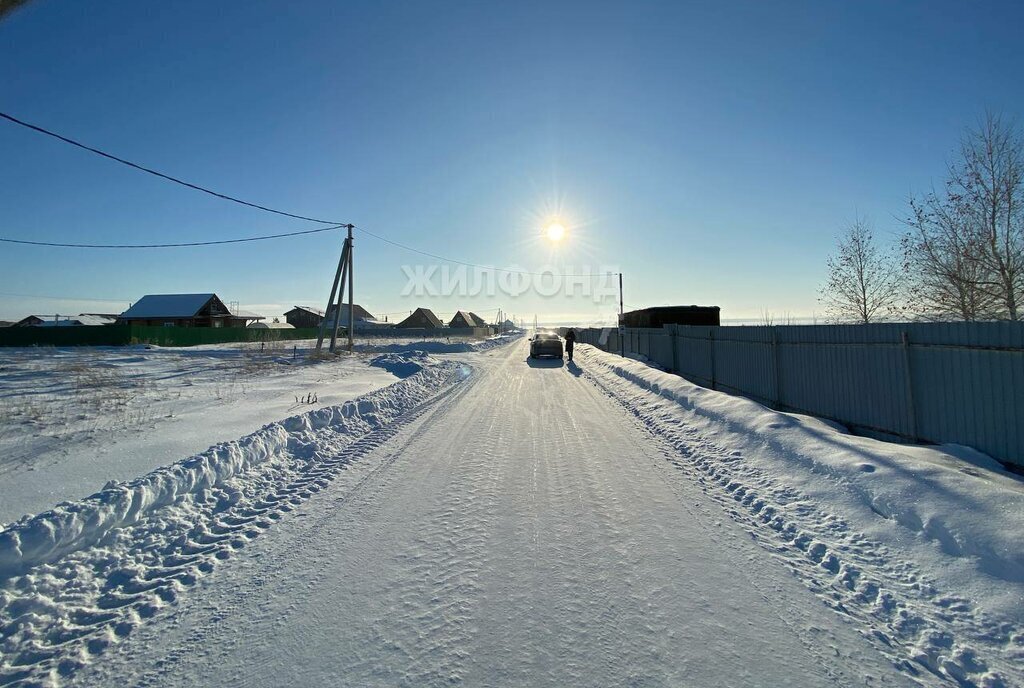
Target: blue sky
{"x": 710, "y": 151}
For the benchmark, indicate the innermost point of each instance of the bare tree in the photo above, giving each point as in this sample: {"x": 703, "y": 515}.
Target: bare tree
{"x": 989, "y": 185}
{"x": 863, "y": 280}
{"x": 965, "y": 251}
{"x": 7, "y": 6}
{"x": 942, "y": 262}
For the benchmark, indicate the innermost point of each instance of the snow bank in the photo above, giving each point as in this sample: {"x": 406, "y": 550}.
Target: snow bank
{"x": 921, "y": 545}
{"x": 438, "y": 346}
{"x": 401, "y": 365}
{"x": 77, "y": 525}
{"x": 73, "y": 419}
{"x": 963, "y": 499}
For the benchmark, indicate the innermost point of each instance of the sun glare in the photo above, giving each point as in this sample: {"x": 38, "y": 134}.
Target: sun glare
{"x": 554, "y": 231}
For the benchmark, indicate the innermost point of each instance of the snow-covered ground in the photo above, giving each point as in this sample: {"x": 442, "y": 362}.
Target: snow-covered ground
{"x": 492, "y": 520}
{"x": 72, "y": 419}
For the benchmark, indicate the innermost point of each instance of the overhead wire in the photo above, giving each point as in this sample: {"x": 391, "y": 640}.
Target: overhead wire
{"x": 179, "y": 245}
{"x": 149, "y": 170}
{"x": 335, "y": 224}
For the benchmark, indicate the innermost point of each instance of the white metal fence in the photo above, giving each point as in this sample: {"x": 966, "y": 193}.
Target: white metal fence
{"x": 957, "y": 383}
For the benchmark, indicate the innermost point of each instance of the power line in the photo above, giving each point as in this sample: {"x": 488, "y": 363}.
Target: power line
{"x": 168, "y": 177}
{"x": 181, "y": 245}
{"x": 226, "y": 197}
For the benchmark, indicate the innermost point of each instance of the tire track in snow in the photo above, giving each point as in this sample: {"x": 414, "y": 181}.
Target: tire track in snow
{"x": 896, "y": 608}
{"x": 274, "y": 579}
{"x": 428, "y": 609}
{"x": 601, "y": 551}
{"x": 58, "y": 618}
{"x": 812, "y": 643}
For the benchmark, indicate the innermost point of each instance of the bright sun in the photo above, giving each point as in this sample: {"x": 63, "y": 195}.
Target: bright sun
{"x": 554, "y": 231}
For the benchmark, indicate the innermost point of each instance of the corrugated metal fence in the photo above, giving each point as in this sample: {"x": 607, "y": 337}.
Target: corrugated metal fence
{"x": 959, "y": 383}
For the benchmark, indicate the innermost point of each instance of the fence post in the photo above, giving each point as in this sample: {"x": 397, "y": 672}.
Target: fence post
{"x": 911, "y": 411}
{"x": 673, "y": 334}
{"x": 711, "y": 340}
{"x": 775, "y": 368}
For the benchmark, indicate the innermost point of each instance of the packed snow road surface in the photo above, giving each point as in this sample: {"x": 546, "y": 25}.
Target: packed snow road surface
{"x": 497, "y": 521}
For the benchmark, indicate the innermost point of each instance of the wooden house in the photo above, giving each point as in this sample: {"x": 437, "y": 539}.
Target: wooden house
{"x": 185, "y": 310}
{"x": 304, "y": 316}
{"x": 465, "y": 319}
{"x": 421, "y": 318}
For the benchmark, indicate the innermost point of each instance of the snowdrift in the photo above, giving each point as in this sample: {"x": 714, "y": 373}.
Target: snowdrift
{"x": 921, "y": 546}
{"x": 73, "y": 526}
{"x": 438, "y": 346}
{"x": 962, "y": 499}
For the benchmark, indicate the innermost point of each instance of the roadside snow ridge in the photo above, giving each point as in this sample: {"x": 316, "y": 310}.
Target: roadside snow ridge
{"x": 83, "y": 575}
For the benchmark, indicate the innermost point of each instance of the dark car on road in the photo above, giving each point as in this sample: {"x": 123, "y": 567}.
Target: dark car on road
{"x": 545, "y": 344}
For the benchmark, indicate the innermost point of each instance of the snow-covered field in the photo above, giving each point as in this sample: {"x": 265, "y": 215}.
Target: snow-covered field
{"x": 72, "y": 419}
{"x": 486, "y": 519}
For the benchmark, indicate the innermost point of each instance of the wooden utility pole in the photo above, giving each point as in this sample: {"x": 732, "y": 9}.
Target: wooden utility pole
{"x": 343, "y": 275}
{"x": 351, "y": 306}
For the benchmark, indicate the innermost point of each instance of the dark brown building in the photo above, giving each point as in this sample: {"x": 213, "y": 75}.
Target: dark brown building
{"x": 464, "y": 319}
{"x": 304, "y": 316}
{"x": 421, "y": 318}
{"x": 673, "y": 315}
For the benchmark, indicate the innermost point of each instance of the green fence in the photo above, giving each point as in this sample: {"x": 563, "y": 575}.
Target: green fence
{"x": 120, "y": 335}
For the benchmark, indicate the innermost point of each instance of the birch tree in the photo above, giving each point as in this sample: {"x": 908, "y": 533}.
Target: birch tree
{"x": 863, "y": 279}
{"x": 989, "y": 184}
{"x": 943, "y": 268}
{"x": 965, "y": 249}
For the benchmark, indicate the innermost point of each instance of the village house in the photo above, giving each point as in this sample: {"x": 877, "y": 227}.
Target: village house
{"x": 465, "y": 319}
{"x": 364, "y": 320}
{"x": 304, "y": 316}
{"x": 307, "y": 316}
{"x": 421, "y": 318}
{"x": 185, "y": 310}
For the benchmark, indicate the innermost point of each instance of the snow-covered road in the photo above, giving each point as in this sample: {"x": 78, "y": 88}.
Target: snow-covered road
{"x": 524, "y": 531}
{"x": 520, "y": 526}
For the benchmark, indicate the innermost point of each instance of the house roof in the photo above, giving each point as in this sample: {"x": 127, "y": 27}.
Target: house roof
{"x": 360, "y": 312}
{"x": 424, "y": 313}
{"x": 248, "y": 315}
{"x": 308, "y": 309}
{"x": 470, "y": 319}
{"x": 270, "y": 326}
{"x": 480, "y": 321}
{"x": 168, "y": 306}
{"x": 83, "y": 319}
{"x": 66, "y": 320}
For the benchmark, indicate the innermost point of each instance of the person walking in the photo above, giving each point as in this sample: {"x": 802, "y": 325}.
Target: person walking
{"x": 570, "y": 342}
